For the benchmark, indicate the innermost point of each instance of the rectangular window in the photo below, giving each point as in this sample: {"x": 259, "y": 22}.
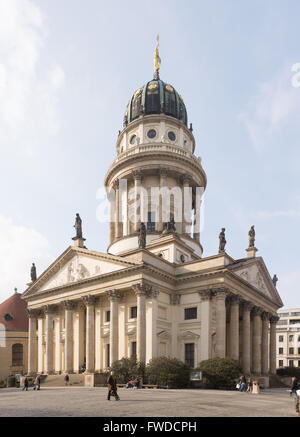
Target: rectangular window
{"x": 17, "y": 354}
{"x": 107, "y": 355}
{"x": 291, "y": 351}
{"x": 298, "y": 363}
{"x": 151, "y": 221}
{"x": 298, "y": 337}
{"x": 298, "y": 350}
{"x": 281, "y": 338}
{"x": 291, "y": 338}
{"x": 107, "y": 316}
{"x": 133, "y": 312}
{"x": 189, "y": 356}
{"x": 280, "y": 363}
{"x": 280, "y": 351}
{"x": 295, "y": 314}
{"x": 291, "y": 363}
{"x": 282, "y": 322}
{"x": 190, "y": 313}
{"x": 133, "y": 349}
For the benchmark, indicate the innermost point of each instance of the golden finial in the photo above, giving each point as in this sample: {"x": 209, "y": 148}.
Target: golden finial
{"x": 157, "y": 60}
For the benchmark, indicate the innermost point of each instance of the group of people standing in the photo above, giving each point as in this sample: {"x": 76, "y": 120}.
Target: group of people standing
{"x": 248, "y": 386}
{"x": 36, "y": 384}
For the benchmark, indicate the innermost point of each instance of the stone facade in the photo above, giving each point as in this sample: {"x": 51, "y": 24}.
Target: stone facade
{"x": 13, "y": 337}
{"x": 288, "y": 338}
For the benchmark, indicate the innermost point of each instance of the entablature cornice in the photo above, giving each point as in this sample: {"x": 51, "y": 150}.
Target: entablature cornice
{"x": 180, "y": 158}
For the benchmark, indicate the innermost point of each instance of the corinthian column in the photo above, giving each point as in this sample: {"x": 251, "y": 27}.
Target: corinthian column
{"x": 234, "y": 327}
{"x": 114, "y": 296}
{"x": 272, "y": 358}
{"x": 117, "y": 212}
{"x": 205, "y": 337}
{"x": 257, "y": 331}
{"x": 186, "y": 205}
{"x": 32, "y": 356}
{"x": 140, "y": 291}
{"x": 221, "y": 322}
{"x": 137, "y": 174}
{"x": 89, "y": 301}
{"x": 265, "y": 344}
{"x": 48, "y": 310}
{"x": 69, "y": 307}
{"x": 162, "y": 183}
{"x": 246, "y": 344}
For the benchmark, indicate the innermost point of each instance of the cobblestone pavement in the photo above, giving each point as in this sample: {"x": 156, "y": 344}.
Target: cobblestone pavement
{"x": 82, "y": 401}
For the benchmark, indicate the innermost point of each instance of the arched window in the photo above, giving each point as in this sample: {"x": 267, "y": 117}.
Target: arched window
{"x": 17, "y": 354}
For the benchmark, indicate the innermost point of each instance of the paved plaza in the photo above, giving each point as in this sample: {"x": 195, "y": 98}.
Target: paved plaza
{"x": 81, "y": 401}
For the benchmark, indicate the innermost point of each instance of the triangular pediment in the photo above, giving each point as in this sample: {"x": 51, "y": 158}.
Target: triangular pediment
{"x": 188, "y": 335}
{"x": 255, "y": 272}
{"x": 75, "y": 265}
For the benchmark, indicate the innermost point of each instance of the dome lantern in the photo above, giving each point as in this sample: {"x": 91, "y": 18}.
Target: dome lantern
{"x": 156, "y": 97}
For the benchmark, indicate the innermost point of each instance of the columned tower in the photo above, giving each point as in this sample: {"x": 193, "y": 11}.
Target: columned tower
{"x": 155, "y": 154}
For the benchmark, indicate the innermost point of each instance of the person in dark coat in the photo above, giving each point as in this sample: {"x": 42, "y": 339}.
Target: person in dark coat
{"x": 298, "y": 402}
{"x": 25, "y": 386}
{"x": 243, "y": 386}
{"x": 294, "y": 388}
{"x": 112, "y": 387}
{"x": 67, "y": 379}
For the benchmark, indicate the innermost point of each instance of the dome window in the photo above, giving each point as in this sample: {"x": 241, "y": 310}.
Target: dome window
{"x": 171, "y": 136}
{"x": 151, "y": 133}
{"x": 133, "y": 139}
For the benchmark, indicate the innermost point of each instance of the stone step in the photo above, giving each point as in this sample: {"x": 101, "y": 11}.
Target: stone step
{"x": 276, "y": 382}
{"x": 76, "y": 380}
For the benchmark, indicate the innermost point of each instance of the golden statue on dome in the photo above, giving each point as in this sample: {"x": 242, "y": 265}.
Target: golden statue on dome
{"x": 157, "y": 59}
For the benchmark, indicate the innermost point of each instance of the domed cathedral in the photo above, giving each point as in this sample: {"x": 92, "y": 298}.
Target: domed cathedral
{"x": 152, "y": 293}
{"x": 155, "y": 157}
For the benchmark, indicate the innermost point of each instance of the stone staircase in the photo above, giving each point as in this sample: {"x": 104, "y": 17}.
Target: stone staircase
{"x": 276, "y": 382}
{"x": 76, "y": 380}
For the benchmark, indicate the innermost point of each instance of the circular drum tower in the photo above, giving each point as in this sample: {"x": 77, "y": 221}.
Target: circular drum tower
{"x": 155, "y": 150}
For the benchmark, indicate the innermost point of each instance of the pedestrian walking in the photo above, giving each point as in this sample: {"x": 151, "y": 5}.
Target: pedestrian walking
{"x": 298, "y": 402}
{"x": 25, "y": 386}
{"x": 249, "y": 386}
{"x": 67, "y": 379}
{"x": 37, "y": 383}
{"x": 255, "y": 388}
{"x": 112, "y": 387}
{"x": 294, "y": 388}
{"x": 243, "y": 386}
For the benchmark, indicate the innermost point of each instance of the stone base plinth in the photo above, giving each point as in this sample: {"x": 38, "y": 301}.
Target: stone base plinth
{"x": 95, "y": 379}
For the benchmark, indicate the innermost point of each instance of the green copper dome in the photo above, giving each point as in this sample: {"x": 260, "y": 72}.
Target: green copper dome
{"x": 156, "y": 97}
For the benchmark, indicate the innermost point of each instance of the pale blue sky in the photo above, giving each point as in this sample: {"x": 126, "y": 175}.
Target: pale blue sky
{"x": 67, "y": 70}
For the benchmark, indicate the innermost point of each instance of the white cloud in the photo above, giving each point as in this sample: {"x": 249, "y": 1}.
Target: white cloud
{"x": 28, "y": 89}
{"x": 20, "y": 246}
{"x": 275, "y": 103}
{"x": 288, "y": 213}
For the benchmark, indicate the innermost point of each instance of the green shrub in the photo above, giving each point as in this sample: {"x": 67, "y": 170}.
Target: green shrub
{"x": 289, "y": 371}
{"x": 168, "y": 372}
{"x": 127, "y": 369}
{"x": 221, "y": 372}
